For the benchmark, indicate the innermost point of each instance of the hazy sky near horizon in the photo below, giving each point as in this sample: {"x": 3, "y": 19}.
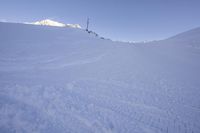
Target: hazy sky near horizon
{"x": 125, "y": 20}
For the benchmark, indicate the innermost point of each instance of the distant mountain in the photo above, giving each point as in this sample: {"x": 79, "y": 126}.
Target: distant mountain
{"x": 49, "y": 22}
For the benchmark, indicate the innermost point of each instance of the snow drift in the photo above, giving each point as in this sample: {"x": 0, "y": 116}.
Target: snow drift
{"x": 55, "y": 79}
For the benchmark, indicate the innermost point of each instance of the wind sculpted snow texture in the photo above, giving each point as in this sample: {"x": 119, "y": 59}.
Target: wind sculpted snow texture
{"x": 64, "y": 80}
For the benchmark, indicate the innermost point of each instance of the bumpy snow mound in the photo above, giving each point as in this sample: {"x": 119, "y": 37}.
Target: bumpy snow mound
{"x": 49, "y": 22}
{"x": 73, "y": 25}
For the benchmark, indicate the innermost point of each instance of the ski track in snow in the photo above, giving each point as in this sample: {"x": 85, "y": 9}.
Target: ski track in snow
{"x": 55, "y": 63}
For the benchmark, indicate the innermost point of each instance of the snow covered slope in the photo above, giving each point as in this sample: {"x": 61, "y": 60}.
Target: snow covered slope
{"x": 55, "y": 79}
{"x": 189, "y": 38}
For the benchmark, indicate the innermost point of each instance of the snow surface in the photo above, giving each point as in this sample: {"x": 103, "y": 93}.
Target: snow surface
{"x": 64, "y": 80}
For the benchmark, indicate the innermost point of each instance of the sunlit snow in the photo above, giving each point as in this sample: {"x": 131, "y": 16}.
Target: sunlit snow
{"x": 49, "y": 22}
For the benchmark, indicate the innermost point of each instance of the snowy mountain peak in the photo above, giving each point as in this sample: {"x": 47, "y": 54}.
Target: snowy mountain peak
{"x": 49, "y": 22}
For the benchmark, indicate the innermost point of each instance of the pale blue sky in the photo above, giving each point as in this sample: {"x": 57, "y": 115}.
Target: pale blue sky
{"x": 125, "y": 20}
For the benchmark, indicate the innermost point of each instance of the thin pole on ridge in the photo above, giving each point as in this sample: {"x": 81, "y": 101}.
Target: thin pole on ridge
{"x": 88, "y": 22}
